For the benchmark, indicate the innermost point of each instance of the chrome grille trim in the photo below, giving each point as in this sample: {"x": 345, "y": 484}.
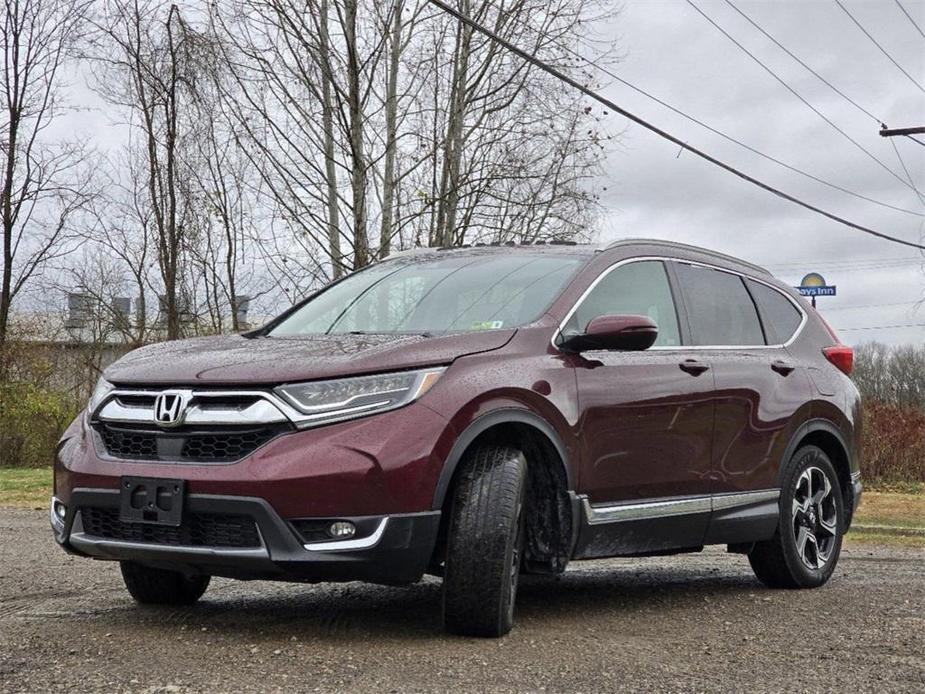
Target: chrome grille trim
{"x": 261, "y": 411}
{"x": 256, "y": 407}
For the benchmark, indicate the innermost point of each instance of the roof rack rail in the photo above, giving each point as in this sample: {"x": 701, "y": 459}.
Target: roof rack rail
{"x": 685, "y": 246}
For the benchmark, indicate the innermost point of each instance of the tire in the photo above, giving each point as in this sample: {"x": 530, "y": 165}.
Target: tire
{"x": 805, "y": 549}
{"x": 150, "y": 586}
{"x": 485, "y": 543}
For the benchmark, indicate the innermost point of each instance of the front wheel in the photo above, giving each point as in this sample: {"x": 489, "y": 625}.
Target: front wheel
{"x": 150, "y": 586}
{"x": 485, "y": 543}
{"x": 805, "y": 549}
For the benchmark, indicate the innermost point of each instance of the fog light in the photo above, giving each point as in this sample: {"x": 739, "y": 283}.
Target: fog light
{"x": 56, "y": 514}
{"x": 342, "y": 529}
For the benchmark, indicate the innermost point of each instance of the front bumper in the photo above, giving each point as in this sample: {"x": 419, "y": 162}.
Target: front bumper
{"x": 397, "y": 550}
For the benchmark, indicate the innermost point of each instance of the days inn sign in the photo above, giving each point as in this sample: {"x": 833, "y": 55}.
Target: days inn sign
{"x": 814, "y": 285}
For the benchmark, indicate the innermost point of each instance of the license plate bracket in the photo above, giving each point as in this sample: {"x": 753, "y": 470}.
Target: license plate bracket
{"x": 152, "y": 500}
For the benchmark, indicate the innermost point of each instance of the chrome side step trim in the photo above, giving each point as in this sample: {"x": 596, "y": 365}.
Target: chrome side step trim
{"x": 652, "y": 509}
{"x": 680, "y": 506}
{"x": 734, "y": 499}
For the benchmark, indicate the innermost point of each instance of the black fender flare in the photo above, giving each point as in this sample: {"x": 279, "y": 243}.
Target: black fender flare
{"x": 507, "y": 415}
{"x": 805, "y": 429}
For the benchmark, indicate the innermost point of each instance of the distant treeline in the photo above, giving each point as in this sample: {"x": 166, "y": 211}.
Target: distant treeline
{"x": 892, "y": 383}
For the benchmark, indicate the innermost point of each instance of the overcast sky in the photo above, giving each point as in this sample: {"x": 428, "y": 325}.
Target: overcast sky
{"x": 675, "y": 54}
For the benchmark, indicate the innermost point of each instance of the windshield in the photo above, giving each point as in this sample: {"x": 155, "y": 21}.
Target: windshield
{"x": 437, "y": 295}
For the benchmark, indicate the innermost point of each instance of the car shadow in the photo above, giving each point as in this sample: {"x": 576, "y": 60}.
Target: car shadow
{"x": 357, "y": 610}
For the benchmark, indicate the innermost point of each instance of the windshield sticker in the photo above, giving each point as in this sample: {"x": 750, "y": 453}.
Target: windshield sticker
{"x": 488, "y": 325}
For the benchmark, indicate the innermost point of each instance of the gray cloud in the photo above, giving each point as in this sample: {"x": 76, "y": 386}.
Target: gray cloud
{"x": 678, "y": 56}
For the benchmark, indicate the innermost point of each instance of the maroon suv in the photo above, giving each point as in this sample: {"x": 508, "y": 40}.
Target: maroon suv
{"x": 476, "y": 413}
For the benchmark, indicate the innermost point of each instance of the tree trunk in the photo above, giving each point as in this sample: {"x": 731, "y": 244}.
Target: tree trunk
{"x": 453, "y": 143}
{"x": 391, "y": 132}
{"x": 171, "y": 264}
{"x": 358, "y": 168}
{"x": 327, "y": 118}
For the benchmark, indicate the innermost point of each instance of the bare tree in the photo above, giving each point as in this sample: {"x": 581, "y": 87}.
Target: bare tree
{"x": 151, "y": 60}
{"x": 45, "y": 184}
{"x": 355, "y": 110}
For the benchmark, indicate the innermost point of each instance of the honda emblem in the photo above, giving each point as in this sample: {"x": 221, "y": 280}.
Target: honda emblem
{"x": 170, "y": 407}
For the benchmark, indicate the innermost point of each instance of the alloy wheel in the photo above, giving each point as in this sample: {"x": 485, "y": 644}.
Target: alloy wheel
{"x": 815, "y": 518}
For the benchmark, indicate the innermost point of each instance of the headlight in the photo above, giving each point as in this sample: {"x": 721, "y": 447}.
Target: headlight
{"x": 103, "y": 388}
{"x": 343, "y": 398}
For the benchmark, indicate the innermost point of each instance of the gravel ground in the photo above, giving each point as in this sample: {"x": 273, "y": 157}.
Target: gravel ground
{"x": 688, "y": 623}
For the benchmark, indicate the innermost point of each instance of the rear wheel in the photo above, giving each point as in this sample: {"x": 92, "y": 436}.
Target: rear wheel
{"x": 150, "y": 586}
{"x": 485, "y": 543}
{"x": 804, "y": 551}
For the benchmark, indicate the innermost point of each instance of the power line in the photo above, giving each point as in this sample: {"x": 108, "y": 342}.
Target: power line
{"x": 916, "y": 140}
{"x": 533, "y": 60}
{"x": 909, "y": 17}
{"x": 877, "y": 44}
{"x": 850, "y": 308}
{"x": 798, "y": 95}
{"x": 729, "y": 138}
{"x": 883, "y": 327}
{"x": 902, "y": 163}
{"x": 852, "y": 263}
{"x": 834, "y": 266}
{"x": 788, "y": 52}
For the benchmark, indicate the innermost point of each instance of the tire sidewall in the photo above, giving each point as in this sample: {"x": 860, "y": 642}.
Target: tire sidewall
{"x": 477, "y": 567}
{"x": 806, "y": 457}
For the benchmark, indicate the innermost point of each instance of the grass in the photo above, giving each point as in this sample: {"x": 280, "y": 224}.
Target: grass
{"x": 894, "y": 509}
{"x": 31, "y": 488}
{"x": 25, "y": 487}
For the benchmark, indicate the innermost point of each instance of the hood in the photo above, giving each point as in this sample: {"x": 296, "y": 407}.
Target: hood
{"x": 241, "y": 361}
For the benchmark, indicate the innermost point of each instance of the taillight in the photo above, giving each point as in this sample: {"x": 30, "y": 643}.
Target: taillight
{"x": 842, "y": 356}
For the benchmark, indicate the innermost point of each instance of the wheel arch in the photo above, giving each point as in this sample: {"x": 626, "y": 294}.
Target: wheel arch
{"x": 553, "y": 520}
{"x": 825, "y": 435}
{"x": 523, "y": 423}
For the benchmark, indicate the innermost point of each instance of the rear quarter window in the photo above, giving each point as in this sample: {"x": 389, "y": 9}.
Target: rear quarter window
{"x": 720, "y": 309}
{"x": 778, "y": 314}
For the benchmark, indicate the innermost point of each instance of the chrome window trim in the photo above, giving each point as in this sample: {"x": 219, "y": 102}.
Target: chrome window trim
{"x": 804, "y": 317}
{"x": 359, "y": 543}
{"x": 679, "y": 506}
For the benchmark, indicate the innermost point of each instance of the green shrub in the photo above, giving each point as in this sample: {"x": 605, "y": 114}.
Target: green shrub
{"x": 31, "y": 421}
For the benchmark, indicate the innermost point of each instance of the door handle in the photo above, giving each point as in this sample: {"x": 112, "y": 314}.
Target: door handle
{"x": 693, "y": 367}
{"x": 782, "y": 367}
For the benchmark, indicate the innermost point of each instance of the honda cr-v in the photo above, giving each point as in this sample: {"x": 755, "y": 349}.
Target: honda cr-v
{"x": 475, "y": 414}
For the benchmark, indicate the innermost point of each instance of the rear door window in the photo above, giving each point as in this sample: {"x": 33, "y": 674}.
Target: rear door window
{"x": 778, "y": 314}
{"x": 720, "y": 309}
{"x": 639, "y": 288}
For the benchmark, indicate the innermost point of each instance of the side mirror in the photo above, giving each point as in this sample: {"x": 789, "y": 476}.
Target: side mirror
{"x": 626, "y": 333}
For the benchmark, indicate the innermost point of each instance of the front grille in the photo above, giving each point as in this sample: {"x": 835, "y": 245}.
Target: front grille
{"x": 223, "y": 447}
{"x": 212, "y": 445}
{"x": 197, "y": 529}
{"x": 129, "y": 444}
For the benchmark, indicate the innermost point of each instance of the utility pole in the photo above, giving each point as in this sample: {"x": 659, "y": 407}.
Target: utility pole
{"x": 893, "y": 132}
